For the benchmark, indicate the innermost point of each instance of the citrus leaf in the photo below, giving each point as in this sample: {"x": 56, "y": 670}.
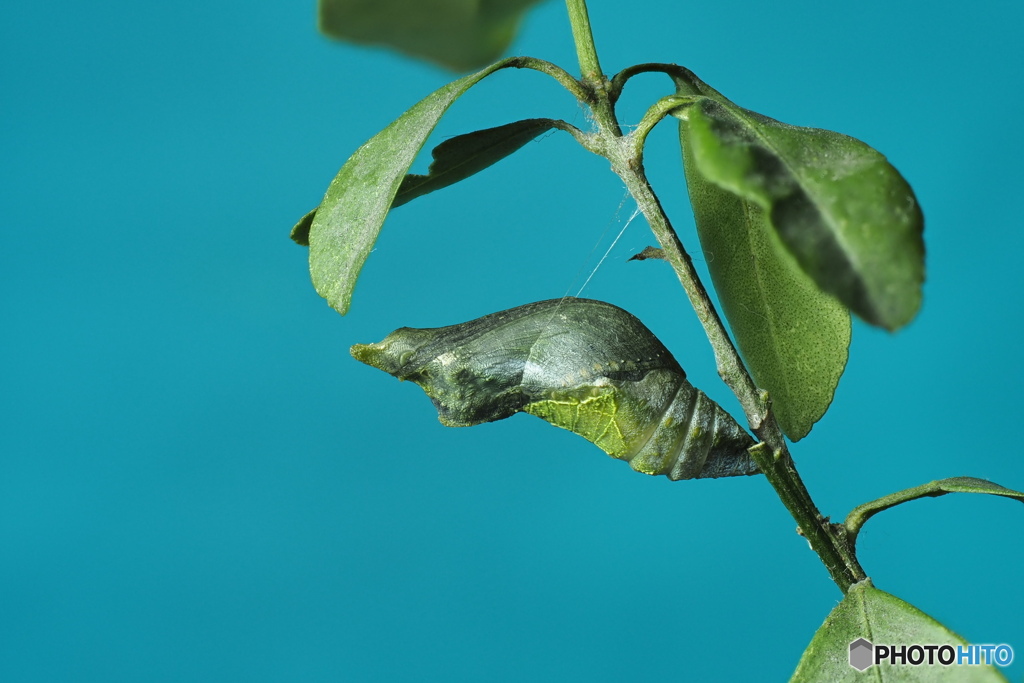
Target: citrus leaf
{"x": 881, "y": 619}
{"x": 454, "y": 160}
{"x": 862, "y": 513}
{"x": 794, "y": 338}
{"x": 459, "y": 157}
{"x": 847, "y": 215}
{"x": 457, "y": 34}
{"x": 349, "y": 218}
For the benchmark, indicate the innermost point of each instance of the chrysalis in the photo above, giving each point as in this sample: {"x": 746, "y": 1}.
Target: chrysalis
{"x": 583, "y": 365}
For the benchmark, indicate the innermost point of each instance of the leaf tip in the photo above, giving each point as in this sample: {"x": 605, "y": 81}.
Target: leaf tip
{"x": 300, "y": 231}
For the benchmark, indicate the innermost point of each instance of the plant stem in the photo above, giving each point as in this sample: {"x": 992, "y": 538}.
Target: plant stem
{"x": 592, "y": 78}
{"x": 772, "y": 454}
{"x": 586, "y": 52}
{"x": 578, "y": 90}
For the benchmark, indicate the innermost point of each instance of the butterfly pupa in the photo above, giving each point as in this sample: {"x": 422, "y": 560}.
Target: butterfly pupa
{"x": 580, "y": 364}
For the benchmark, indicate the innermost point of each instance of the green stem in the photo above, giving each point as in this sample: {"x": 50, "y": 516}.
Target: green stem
{"x": 578, "y": 90}
{"x": 933, "y": 489}
{"x": 592, "y": 78}
{"x": 654, "y": 115}
{"x": 619, "y": 80}
{"x": 626, "y": 156}
{"x": 586, "y": 52}
{"x": 772, "y": 454}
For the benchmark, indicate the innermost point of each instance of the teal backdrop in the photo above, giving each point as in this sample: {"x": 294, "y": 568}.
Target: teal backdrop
{"x": 197, "y": 483}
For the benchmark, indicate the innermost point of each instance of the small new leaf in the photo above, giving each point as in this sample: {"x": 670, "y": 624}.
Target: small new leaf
{"x": 456, "y": 34}
{"x": 883, "y": 619}
{"x": 648, "y": 252}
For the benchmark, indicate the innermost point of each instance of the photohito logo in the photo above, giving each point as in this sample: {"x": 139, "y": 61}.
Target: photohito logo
{"x": 864, "y": 654}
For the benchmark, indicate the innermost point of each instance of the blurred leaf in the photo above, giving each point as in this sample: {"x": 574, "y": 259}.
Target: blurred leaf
{"x": 839, "y": 207}
{"x": 457, "y": 34}
{"x": 881, "y": 619}
{"x": 862, "y": 513}
{"x": 463, "y": 155}
{"x": 348, "y": 220}
{"x": 793, "y": 336}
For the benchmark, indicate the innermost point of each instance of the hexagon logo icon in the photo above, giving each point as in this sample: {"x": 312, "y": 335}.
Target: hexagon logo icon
{"x": 860, "y": 654}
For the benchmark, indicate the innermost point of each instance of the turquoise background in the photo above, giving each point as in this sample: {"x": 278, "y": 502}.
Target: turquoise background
{"x": 198, "y": 483}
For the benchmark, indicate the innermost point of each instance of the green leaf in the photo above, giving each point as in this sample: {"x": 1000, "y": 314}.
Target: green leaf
{"x": 464, "y": 155}
{"x": 457, "y": 34}
{"x": 881, "y": 619}
{"x": 793, "y": 336}
{"x": 845, "y": 213}
{"x": 300, "y": 231}
{"x": 862, "y": 513}
{"x": 454, "y": 160}
{"x": 349, "y": 218}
